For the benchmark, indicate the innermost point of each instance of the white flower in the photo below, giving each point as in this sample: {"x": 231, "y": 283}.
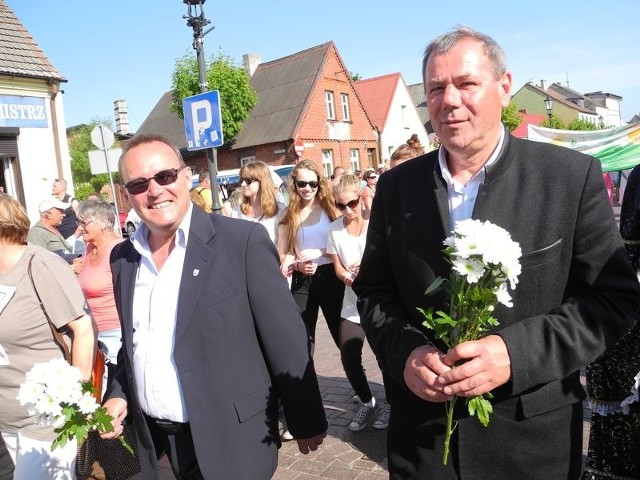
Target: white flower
{"x": 466, "y": 247}
{"x": 503, "y": 296}
{"x": 469, "y": 268}
{"x": 476, "y": 247}
{"x": 634, "y": 397}
{"x": 87, "y": 404}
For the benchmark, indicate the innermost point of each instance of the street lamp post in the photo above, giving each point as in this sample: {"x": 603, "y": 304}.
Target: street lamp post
{"x": 548, "y": 103}
{"x": 197, "y": 21}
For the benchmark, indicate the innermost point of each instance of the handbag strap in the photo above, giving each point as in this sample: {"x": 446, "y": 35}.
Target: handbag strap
{"x": 57, "y": 336}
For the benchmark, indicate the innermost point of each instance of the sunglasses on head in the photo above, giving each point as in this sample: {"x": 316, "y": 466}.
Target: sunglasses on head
{"x": 352, "y": 204}
{"x": 163, "y": 177}
{"x": 372, "y": 176}
{"x": 248, "y": 181}
{"x": 301, "y": 184}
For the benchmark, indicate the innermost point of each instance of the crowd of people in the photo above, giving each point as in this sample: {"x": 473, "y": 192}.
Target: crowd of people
{"x": 209, "y": 321}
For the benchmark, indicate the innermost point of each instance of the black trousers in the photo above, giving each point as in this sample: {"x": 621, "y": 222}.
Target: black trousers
{"x": 177, "y": 443}
{"x": 351, "y": 342}
{"x": 322, "y": 290}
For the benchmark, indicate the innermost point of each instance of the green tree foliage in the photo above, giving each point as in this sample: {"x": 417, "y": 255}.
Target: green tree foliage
{"x": 79, "y": 140}
{"x": 555, "y": 122}
{"x": 237, "y": 97}
{"x": 511, "y": 117}
{"x": 355, "y": 76}
{"x": 577, "y": 124}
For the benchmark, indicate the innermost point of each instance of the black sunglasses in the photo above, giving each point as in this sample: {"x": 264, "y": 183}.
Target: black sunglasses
{"x": 248, "y": 181}
{"x": 301, "y": 184}
{"x": 352, "y": 204}
{"x": 163, "y": 177}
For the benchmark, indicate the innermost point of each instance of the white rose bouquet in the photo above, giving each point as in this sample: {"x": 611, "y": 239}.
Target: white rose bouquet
{"x": 55, "y": 394}
{"x": 485, "y": 262}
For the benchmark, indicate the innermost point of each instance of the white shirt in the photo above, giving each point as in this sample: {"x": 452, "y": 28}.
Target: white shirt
{"x": 314, "y": 236}
{"x": 155, "y": 306}
{"x": 462, "y": 198}
{"x": 350, "y": 249}
{"x": 271, "y": 224}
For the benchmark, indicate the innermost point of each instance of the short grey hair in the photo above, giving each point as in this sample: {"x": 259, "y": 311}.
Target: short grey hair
{"x": 97, "y": 211}
{"x": 444, "y": 43}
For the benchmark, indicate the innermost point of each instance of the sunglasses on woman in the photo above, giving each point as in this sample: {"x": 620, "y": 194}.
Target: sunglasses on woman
{"x": 248, "y": 181}
{"x": 163, "y": 177}
{"x": 301, "y": 184}
{"x": 352, "y": 204}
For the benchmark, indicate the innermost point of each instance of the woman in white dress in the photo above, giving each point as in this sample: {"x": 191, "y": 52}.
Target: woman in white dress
{"x": 258, "y": 200}
{"x": 345, "y": 244}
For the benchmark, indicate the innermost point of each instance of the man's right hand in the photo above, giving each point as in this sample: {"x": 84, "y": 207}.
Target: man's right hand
{"x": 421, "y": 371}
{"x": 117, "y": 408}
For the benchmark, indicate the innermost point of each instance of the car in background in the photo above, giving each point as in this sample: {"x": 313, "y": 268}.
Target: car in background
{"x": 281, "y": 175}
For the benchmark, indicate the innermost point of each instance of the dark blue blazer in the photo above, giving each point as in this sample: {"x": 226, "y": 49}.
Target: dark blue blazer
{"x": 240, "y": 344}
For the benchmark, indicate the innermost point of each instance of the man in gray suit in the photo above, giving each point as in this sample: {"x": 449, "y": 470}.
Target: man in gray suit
{"x": 211, "y": 335}
{"x": 576, "y": 294}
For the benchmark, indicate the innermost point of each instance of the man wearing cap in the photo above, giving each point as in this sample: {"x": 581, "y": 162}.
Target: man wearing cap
{"x": 45, "y": 232}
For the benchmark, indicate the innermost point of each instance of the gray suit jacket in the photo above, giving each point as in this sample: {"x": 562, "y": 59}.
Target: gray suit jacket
{"x": 576, "y": 296}
{"x": 240, "y": 344}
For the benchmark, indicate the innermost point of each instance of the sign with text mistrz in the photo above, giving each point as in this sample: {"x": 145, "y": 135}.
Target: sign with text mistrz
{"x": 203, "y": 121}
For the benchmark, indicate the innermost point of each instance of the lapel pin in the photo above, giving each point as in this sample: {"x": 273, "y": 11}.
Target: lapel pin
{"x": 196, "y": 272}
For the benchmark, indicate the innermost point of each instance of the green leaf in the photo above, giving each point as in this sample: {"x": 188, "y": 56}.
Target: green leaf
{"x": 437, "y": 283}
{"x": 481, "y": 408}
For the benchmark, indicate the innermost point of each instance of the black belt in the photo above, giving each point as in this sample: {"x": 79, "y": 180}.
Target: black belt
{"x": 169, "y": 426}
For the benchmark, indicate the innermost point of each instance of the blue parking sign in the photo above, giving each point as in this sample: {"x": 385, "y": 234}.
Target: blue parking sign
{"x": 203, "y": 121}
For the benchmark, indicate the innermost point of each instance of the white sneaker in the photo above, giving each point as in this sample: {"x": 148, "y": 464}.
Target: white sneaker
{"x": 382, "y": 418}
{"x": 362, "y": 418}
{"x": 285, "y": 435}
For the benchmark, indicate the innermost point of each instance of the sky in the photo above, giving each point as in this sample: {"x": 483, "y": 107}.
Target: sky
{"x": 127, "y": 49}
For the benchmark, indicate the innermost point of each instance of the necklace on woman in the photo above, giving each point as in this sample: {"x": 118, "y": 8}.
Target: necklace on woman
{"x": 93, "y": 255}
{"x": 349, "y": 224}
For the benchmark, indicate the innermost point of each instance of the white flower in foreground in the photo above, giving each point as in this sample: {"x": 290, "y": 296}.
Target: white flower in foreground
{"x": 634, "y": 397}
{"x": 465, "y": 247}
{"x": 87, "y": 404}
{"x": 469, "y": 268}
{"x": 503, "y": 296}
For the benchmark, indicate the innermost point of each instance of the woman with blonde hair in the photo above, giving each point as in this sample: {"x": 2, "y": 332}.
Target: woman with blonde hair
{"x": 40, "y": 293}
{"x": 257, "y": 202}
{"x": 302, "y": 243}
{"x": 347, "y": 238}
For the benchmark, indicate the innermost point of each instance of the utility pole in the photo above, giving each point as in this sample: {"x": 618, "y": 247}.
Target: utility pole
{"x": 197, "y": 21}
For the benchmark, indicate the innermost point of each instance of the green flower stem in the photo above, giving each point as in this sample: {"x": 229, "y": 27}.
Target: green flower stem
{"x": 451, "y": 426}
{"x": 126, "y": 445}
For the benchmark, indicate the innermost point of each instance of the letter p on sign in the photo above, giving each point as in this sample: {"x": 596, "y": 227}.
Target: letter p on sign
{"x": 203, "y": 121}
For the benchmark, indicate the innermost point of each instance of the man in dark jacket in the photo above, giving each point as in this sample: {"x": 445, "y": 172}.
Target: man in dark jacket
{"x": 211, "y": 335}
{"x": 576, "y": 294}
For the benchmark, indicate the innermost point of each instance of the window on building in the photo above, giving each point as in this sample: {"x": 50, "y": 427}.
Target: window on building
{"x": 354, "y": 159}
{"x": 327, "y": 162}
{"x": 331, "y": 110}
{"x": 346, "y": 114}
{"x": 245, "y": 160}
{"x": 405, "y": 113}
